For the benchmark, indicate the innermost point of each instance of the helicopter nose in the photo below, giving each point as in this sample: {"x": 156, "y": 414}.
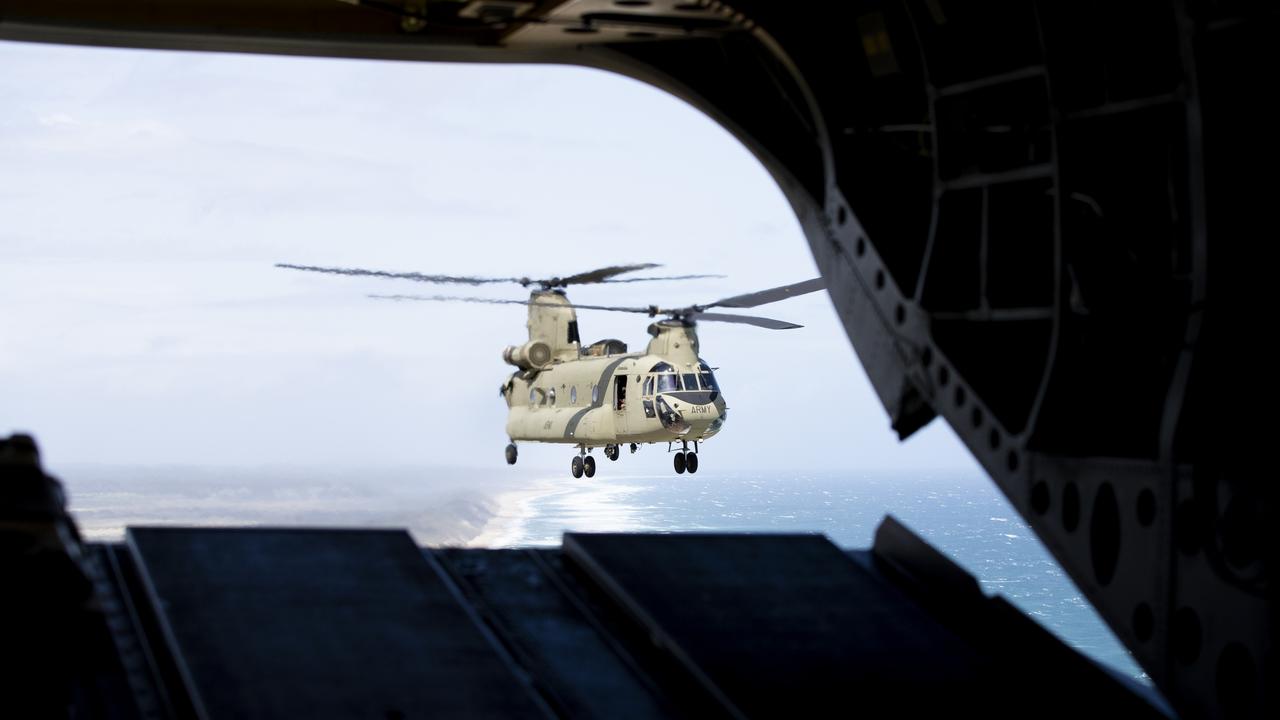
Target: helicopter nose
{"x": 718, "y": 423}
{"x": 693, "y": 419}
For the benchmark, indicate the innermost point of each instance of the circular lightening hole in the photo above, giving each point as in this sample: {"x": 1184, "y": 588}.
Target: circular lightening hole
{"x": 1040, "y": 497}
{"x": 1144, "y": 622}
{"x": 1186, "y": 635}
{"x": 1146, "y": 507}
{"x": 1070, "y": 507}
{"x": 1104, "y": 534}
{"x": 1236, "y": 681}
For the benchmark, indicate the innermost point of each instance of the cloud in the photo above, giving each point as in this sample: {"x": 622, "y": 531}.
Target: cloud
{"x": 57, "y": 120}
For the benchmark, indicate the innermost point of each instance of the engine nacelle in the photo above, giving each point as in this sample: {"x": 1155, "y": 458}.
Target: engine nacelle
{"x": 533, "y": 355}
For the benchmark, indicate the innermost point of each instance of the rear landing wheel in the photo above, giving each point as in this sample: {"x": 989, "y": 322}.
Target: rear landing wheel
{"x": 511, "y": 454}
{"x": 589, "y": 466}
{"x": 679, "y": 463}
{"x": 611, "y": 452}
{"x": 576, "y": 467}
{"x": 634, "y": 447}
{"x": 691, "y": 462}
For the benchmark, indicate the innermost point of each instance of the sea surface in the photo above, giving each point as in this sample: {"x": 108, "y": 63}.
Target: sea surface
{"x": 965, "y": 517}
{"x": 962, "y": 515}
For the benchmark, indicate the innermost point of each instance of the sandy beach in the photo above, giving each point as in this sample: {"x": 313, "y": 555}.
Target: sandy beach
{"x": 511, "y": 512}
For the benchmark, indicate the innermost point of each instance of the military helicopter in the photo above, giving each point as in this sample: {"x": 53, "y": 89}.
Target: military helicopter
{"x": 601, "y": 395}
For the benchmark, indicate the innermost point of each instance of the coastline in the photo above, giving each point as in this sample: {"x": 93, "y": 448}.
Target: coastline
{"x": 538, "y": 515}
{"x": 508, "y": 523}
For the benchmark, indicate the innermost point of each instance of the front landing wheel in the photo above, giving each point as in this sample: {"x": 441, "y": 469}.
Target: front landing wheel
{"x": 576, "y": 466}
{"x": 511, "y": 454}
{"x": 679, "y": 462}
{"x": 691, "y": 462}
{"x": 589, "y": 466}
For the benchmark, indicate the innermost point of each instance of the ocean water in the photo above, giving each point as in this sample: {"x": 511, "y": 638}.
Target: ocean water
{"x": 965, "y": 517}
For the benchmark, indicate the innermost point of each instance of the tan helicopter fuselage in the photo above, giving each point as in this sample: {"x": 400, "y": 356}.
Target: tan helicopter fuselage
{"x": 604, "y": 395}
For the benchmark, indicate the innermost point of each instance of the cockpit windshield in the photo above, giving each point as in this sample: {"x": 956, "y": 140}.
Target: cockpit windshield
{"x": 668, "y": 382}
{"x": 691, "y": 381}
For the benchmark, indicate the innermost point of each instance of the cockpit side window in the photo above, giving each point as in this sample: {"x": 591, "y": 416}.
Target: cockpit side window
{"x": 708, "y": 377}
{"x": 648, "y": 386}
{"x": 691, "y": 381}
{"x": 668, "y": 382}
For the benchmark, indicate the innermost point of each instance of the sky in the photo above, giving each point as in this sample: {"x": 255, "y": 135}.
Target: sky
{"x": 146, "y": 195}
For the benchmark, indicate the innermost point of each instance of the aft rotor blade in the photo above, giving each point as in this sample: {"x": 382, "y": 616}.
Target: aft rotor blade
{"x": 764, "y": 322}
{"x": 764, "y": 297}
{"x": 417, "y": 277}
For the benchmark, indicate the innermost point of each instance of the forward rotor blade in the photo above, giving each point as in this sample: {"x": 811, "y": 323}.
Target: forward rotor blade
{"x": 764, "y": 297}
{"x": 666, "y": 277}
{"x": 449, "y": 298}
{"x": 601, "y": 274}
{"x": 417, "y": 277}
{"x": 764, "y": 322}
{"x": 591, "y": 276}
{"x": 499, "y": 301}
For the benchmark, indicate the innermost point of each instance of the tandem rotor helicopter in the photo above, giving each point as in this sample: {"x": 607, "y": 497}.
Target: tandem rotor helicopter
{"x": 601, "y": 395}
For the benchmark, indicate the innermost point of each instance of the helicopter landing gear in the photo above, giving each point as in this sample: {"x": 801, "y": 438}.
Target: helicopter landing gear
{"x": 589, "y": 466}
{"x": 634, "y": 448}
{"x": 576, "y": 466}
{"x": 511, "y": 454}
{"x": 686, "y": 460}
{"x": 611, "y": 452}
